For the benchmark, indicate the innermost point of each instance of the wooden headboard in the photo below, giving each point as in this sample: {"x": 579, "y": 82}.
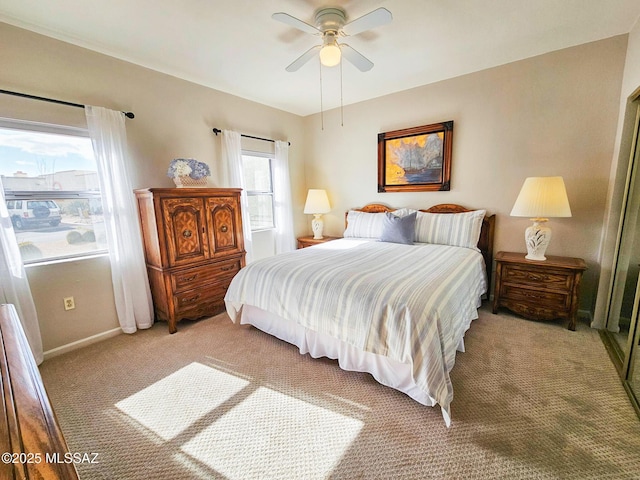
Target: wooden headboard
{"x": 485, "y": 243}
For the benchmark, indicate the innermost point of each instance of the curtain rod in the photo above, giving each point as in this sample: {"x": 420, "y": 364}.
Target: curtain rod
{"x": 52, "y": 100}
{"x": 217, "y": 131}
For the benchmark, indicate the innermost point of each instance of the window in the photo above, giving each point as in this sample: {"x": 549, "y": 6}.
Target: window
{"x": 51, "y": 189}
{"x": 256, "y": 169}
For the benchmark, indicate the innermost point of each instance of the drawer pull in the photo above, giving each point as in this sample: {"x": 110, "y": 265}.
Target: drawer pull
{"x": 187, "y": 233}
{"x": 226, "y": 269}
{"x": 191, "y": 300}
{"x": 533, "y": 295}
{"x": 224, "y": 229}
{"x": 537, "y": 277}
{"x": 189, "y": 279}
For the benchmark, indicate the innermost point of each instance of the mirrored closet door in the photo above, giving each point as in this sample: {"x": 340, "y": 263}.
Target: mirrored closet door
{"x": 633, "y": 371}
{"x": 622, "y": 331}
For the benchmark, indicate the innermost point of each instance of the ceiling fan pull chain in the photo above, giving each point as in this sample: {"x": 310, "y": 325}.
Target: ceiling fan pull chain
{"x": 321, "y": 109}
{"x": 341, "y": 102}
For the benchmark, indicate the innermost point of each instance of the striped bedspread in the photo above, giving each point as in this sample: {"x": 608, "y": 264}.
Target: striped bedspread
{"x": 412, "y": 303}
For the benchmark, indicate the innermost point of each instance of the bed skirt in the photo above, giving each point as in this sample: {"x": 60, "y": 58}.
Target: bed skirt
{"x": 386, "y": 371}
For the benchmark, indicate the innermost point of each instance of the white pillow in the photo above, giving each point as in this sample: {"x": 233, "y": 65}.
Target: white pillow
{"x": 403, "y": 212}
{"x": 364, "y": 224}
{"x": 455, "y": 229}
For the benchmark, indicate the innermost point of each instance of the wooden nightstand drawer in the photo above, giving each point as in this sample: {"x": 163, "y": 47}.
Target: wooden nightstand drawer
{"x": 530, "y": 311}
{"x": 538, "y": 277}
{"x": 534, "y": 296}
{"x": 304, "y": 242}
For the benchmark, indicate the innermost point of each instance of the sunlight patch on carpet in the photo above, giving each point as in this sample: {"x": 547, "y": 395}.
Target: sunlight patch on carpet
{"x": 195, "y": 390}
{"x": 273, "y": 435}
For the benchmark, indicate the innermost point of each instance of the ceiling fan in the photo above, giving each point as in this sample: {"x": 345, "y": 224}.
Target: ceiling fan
{"x": 330, "y": 23}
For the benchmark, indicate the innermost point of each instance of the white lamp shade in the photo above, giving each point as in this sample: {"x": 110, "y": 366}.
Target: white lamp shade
{"x": 317, "y": 202}
{"x": 542, "y": 197}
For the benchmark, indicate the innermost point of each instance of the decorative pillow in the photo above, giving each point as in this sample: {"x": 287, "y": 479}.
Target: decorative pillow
{"x": 399, "y": 229}
{"x": 455, "y": 229}
{"x": 364, "y": 224}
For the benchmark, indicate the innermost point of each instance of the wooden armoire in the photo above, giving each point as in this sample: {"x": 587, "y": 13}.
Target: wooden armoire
{"x": 193, "y": 247}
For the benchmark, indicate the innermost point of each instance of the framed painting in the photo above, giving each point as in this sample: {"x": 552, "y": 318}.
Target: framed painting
{"x": 415, "y": 159}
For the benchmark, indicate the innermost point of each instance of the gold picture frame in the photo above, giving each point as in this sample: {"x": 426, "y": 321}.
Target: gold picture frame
{"x": 416, "y": 159}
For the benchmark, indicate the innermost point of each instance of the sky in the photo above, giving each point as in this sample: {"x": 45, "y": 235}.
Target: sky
{"x": 37, "y": 153}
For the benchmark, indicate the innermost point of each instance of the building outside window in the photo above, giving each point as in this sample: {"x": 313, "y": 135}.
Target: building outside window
{"x": 51, "y": 188}
{"x": 258, "y": 182}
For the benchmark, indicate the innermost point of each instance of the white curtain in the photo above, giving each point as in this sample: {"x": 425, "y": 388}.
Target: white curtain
{"x": 232, "y": 155}
{"x": 128, "y": 271}
{"x": 14, "y": 286}
{"x": 285, "y": 237}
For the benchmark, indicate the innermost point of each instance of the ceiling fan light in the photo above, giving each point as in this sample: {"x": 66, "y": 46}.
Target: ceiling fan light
{"x": 330, "y": 55}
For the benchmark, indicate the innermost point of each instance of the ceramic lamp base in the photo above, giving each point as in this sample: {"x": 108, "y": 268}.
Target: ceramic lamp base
{"x": 317, "y": 225}
{"x": 537, "y": 238}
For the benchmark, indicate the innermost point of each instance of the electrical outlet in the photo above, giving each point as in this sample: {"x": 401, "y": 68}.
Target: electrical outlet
{"x": 69, "y": 303}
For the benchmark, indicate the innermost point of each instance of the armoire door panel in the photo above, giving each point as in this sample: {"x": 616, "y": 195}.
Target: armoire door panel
{"x": 185, "y": 221}
{"x": 226, "y": 224}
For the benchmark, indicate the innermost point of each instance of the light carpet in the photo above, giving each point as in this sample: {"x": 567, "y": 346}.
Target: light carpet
{"x": 217, "y": 400}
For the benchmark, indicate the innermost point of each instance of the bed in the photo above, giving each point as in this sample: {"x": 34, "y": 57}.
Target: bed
{"x": 393, "y": 298}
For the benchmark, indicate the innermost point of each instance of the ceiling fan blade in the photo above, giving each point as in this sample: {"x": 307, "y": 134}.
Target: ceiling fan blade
{"x": 295, "y": 23}
{"x": 361, "y": 62}
{"x": 380, "y": 16}
{"x": 302, "y": 59}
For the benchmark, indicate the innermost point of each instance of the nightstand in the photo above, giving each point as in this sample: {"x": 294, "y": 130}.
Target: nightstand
{"x": 309, "y": 241}
{"x": 538, "y": 290}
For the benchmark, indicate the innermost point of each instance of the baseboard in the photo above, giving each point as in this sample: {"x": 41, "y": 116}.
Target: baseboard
{"x": 54, "y": 352}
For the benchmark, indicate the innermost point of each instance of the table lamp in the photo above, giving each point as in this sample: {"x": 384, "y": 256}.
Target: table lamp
{"x": 317, "y": 203}
{"x": 539, "y": 199}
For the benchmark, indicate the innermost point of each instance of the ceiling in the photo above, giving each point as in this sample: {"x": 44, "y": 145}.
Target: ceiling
{"x": 236, "y": 47}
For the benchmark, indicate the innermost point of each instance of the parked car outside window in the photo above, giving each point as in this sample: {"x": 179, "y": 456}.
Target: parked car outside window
{"x": 33, "y": 213}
